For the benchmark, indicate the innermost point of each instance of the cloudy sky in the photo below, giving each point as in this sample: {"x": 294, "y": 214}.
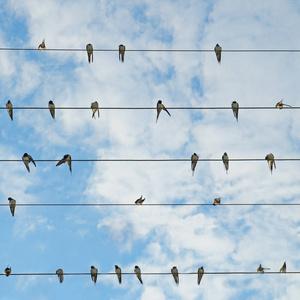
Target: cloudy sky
{"x": 42, "y": 239}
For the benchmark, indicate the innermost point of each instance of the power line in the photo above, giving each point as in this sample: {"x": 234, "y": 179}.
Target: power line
{"x": 148, "y": 50}
{"x": 151, "y": 108}
{"x": 154, "y": 273}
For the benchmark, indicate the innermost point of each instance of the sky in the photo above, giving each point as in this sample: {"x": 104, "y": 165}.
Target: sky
{"x": 225, "y": 238}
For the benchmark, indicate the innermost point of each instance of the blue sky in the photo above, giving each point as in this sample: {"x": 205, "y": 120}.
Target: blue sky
{"x": 42, "y": 239}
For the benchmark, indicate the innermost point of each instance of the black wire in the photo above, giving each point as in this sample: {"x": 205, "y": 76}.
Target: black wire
{"x": 147, "y": 50}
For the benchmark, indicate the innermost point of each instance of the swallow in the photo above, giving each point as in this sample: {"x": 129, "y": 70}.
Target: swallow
{"x": 9, "y": 108}
{"x": 174, "y": 272}
{"x": 225, "y": 160}
{"x": 94, "y": 273}
{"x": 12, "y": 205}
{"x": 200, "y": 274}
{"x": 261, "y": 269}
{"x": 235, "y": 109}
{"x": 194, "y": 160}
{"x": 140, "y": 201}
{"x": 218, "y": 51}
{"x": 89, "y": 50}
{"x": 121, "y": 52}
{"x": 138, "y": 273}
{"x": 95, "y": 108}
{"x": 159, "y": 108}
{"x": 42, "y": 45}
{"x": 60, "y": 275}
{"x": 271, "y": 161}
{"x": 66, "y": 159}
{"x": 7, "y": 271}
{"x": 26, "y": 160}
{"x": 283, "y": 268}
{"x": 217, "y": 201}
{"x": 119, "y": 273}
{"x": 281, "y": 105}
{"x": 51, "y": 107}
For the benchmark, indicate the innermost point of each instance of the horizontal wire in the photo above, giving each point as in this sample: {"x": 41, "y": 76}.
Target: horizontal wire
{"x": 152, "y": 108}
{"x": 152, "y": 204}
{"x": 150, "y": 159}
{"x": 151, "y": 273}
{"x": 147, "y": 50}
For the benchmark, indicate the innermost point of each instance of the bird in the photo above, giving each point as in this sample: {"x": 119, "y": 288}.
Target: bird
{"x": 7, "y": 271}
{"x": 26, "y": 160}
{"x": 218, "y": 51}
{"x": 95, "y": 108}
{"x": 271, "y": 161}
{"x": 51, "y": 107}
{"x": 235, "y": 109}
{"x": 89, "y": 50}
{"x": 94, "y": 273}
{"x": 159, "y": 108}
{"x": 261, "y": 269}
{"x": 194, "y": 160}
{"x": 217, "y": 201}
{"x": 119, "y": 273}
{"x": 280, "y": 105}
{"x": 66, "y": 159}
{"x": 225, "y": 160}
{"x": 138, "y": 273}
{"x": 42, "y": 45}
{"x": 60, "y": 275}
{"x": 200, "y": 274}
{"x": 9, "y": 108}
{"x": 283, "y": 268}
{"x": 174, "y": 272}
{"x": 121, "y": 52}
{"x": 140, "y": 201}
{"x": 12, "y": 205}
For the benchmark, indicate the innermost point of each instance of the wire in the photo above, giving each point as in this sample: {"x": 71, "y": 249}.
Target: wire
{"x": 150, "y": 159}
{"x": 153, "y": 108}
{"x": 151, "y": 273}
{"x": 147, "y": 50}
{"x": 152, "y": 204}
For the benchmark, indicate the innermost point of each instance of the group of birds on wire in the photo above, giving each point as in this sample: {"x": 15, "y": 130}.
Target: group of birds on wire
{"x": 159, "y": 108}
{"x": 137, "y": 271}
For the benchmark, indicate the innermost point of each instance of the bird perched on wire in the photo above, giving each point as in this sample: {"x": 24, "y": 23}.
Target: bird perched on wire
{"x": 225, "y": 160}
{"x": 9, "y": 108}
{"x": 138, "y": 273}
{"x": 66, "y": 159}
{"x": 94, "y": 274}
{"x": 42, "y": 45}
{"x": 218, "y": 51}
{"x": 12, "y": 205}
{"x": 121, "y": 52}
{"x": 217, "y": 201}
{"x": 95, "y": 108}
{"x": 27, "y": 159}
{"x": 281, "y": 105}
{"x": 140, "y": 201}
{"x": 235, "y": 109}
{"x": 194, "y": 160}
{"x": 200, "y": 274}
{"x": 271, "y": 161}
{"x": 60, "y": 275}
{"x": 7, "y": 271}
{"x": 159, "y": 108}
{"x": 261, "y": 269}
{"x": 90, "y": 52}
{"x": 175, "y": 274}
{"x": 119, "y": 273}
{"x": 283, "y": 268}
{"x": 51, "y": 107}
